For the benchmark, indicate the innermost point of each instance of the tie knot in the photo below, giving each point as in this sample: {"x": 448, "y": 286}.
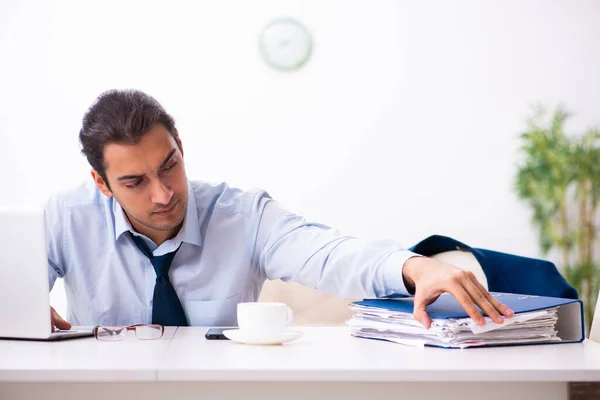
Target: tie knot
{"x": 162, "y": 280}
{"x": 162, "y": 264}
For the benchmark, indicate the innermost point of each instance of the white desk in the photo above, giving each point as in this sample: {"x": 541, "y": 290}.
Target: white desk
{"x": 85, "y": 359}
{"x": 324, "y": 363}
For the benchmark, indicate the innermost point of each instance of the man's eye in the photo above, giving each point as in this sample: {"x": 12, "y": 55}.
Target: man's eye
{"x": 134, "y": 184}
{"x": 170, "y": 166}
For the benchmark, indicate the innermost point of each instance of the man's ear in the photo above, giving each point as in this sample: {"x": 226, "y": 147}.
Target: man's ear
{"x": 101, "y": 184}
{"x": 178, "y": 140}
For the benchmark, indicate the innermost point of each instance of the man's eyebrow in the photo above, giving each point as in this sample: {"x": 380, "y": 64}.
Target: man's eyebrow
{"x": 139, "y": 176}
{"x": 128, "y": 177}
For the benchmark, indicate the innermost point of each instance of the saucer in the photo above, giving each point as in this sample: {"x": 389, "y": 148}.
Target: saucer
{"x": 238, "y": 336}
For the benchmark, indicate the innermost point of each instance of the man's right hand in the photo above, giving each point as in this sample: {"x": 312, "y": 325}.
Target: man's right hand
{"x": 58, "y": 322}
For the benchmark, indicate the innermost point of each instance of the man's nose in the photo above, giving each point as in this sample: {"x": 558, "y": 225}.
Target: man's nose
{"x": 161, "y": 194}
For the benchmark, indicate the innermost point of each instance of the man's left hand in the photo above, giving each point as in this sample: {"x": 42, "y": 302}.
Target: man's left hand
{"x": 429, "y": 278}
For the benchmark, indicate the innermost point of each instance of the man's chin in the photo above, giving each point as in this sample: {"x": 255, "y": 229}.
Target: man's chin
{"x": 164, "y": 223}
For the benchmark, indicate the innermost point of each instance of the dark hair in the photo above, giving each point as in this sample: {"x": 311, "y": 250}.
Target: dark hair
{"x": 119, "y": 116}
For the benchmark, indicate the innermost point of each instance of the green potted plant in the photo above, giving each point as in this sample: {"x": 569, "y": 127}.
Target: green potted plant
{"x": 559, "y": 178}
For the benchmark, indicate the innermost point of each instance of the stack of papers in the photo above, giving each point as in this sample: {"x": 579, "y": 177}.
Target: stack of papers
{"x": 381, "y": 319}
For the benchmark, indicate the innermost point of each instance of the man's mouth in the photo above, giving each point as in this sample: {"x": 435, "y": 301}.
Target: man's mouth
{"x": 166, "y": 210}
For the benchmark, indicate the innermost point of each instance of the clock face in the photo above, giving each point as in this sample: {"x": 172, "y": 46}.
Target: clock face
{"x": 285, "y": 44}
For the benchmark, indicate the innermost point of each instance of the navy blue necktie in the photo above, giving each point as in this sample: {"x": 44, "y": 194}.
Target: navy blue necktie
{"x": 166, "y": 307}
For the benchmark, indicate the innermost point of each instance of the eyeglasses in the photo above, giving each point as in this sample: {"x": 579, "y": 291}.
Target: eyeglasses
{"x": 116, "y": 333}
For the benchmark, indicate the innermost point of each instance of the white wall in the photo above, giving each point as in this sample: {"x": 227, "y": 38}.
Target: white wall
{"x": 404, "y": 123}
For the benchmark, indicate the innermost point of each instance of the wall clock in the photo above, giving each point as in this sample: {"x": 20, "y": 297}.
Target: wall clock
{"x": 285, "y": 44}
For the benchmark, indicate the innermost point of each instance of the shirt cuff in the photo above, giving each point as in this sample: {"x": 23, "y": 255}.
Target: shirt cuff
{"x": 393, "y": 272}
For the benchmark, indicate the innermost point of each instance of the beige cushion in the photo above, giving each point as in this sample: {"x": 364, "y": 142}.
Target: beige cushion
{"x": 311, "y": 307}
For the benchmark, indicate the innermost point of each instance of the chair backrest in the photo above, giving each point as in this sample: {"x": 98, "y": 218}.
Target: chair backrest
{"x": 595, "y": 329}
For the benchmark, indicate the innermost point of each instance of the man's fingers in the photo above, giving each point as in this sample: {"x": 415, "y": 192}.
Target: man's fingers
{"x": 497, "y": 305}
{"x": 58, "y": 322}
{"x": 62, "y": 324}
{"x": 461, "y": 295}
{"x": 480, "y": 299}
{"x": 420, "y": 312}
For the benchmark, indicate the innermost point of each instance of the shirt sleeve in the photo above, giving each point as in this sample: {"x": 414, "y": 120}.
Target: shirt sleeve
{"x": 290, "y": 248}
{"x": 54, "y": 240}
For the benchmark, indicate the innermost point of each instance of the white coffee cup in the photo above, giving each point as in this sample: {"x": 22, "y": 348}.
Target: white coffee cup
{"x": 264, "y": 318}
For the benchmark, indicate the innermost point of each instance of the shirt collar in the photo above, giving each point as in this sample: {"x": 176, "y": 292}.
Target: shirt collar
{"x": 189, "y": 232}
{"x": 191, "y": 225}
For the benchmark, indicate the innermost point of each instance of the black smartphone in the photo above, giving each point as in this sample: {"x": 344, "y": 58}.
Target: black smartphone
{"x": 216, "y": 334}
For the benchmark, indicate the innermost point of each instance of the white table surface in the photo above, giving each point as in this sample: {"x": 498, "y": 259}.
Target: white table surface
{"x": 325, "y": 363}
{"x": 83, "y": 359}
{"x": 321, "y": 354}
{"x": 331, "y": 354}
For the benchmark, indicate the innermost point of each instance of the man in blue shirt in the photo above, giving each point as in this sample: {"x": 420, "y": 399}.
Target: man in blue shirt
{"x": 141, "y": 243}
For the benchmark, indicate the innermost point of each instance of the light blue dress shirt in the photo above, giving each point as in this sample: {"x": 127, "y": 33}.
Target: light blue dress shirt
{"x": 231, "y": 242}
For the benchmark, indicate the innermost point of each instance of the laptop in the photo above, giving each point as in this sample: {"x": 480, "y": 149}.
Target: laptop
{"x": 24, "y": 283}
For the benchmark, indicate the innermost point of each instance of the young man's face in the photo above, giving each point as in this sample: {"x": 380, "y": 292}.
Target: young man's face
{"x": 148, "y": 180}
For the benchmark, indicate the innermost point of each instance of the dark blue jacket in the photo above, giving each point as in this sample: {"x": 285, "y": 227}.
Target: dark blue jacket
{"x": 506, "y": 272}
